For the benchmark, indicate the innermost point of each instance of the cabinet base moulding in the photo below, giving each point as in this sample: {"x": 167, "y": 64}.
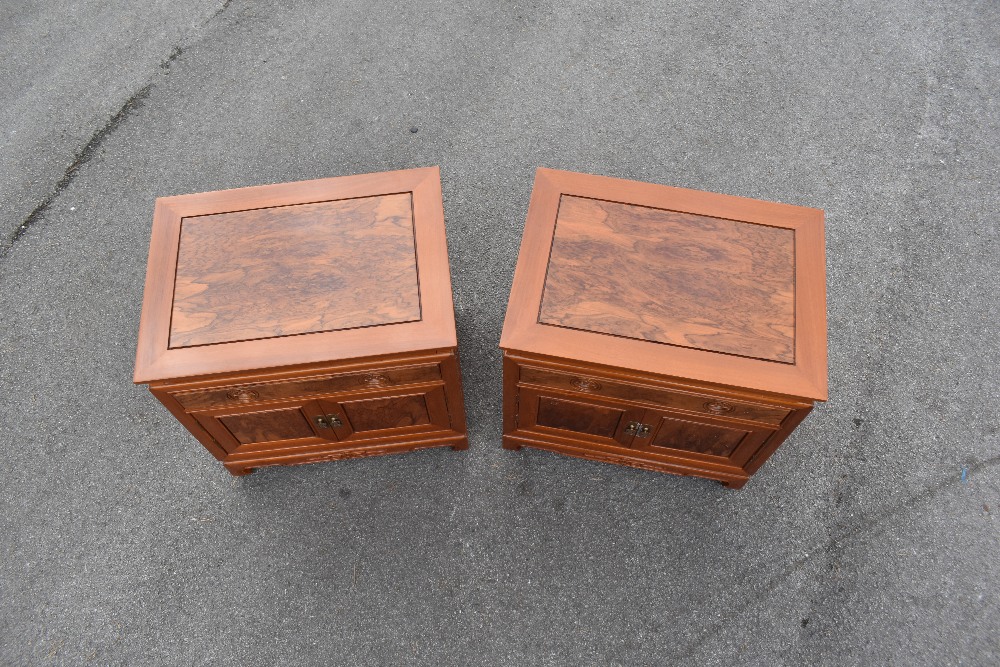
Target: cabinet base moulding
{"x": 516, "y": 442}
{"x": 245, "y": 467}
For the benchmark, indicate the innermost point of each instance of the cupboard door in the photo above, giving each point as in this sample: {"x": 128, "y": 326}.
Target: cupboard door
{"x": 682, "y": 435}
{"x": 292, "y": 424}
{"x": 388, "y": 413}
{"x": 600, "y": 420}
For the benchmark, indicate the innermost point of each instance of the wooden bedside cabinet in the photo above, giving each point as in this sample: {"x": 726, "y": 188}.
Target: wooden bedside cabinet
{"x": 304, "y": 322}
{"x": 663, "y": 328}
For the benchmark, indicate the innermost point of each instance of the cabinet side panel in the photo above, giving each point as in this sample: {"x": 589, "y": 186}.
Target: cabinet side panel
{"x": 511, "y": 374}
{"x": 451, "y": 372}
{"x": 772, "y": 443}
{"x": 190, "y": 423}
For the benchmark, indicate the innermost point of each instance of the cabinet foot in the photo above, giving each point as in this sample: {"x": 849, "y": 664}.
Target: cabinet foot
{"x": 240, "y": 472}
{"x": 459, "y": 446}
{"x": 734, "y": 485}
{"x": 511, "y": 445}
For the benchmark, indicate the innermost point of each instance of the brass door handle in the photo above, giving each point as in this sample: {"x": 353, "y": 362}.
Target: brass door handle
{"x": 637, "y": 429}
{"x": 328, "y": 421}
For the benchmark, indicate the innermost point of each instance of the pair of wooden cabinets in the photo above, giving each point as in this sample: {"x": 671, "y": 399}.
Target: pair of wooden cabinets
{"x": 654, "y": 327}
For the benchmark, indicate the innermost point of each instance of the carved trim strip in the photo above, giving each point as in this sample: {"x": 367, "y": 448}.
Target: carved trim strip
{"x": 585, "y": 384}
{"x": 719, "y": 407}
{"x": 339, "y": 456}
{"x": 242, "y": 395}
{"x": 375, "y": 380}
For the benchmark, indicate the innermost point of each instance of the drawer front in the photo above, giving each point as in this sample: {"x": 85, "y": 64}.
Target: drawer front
{"x": 703, "y": 404}
{"x": 248, "y": 394}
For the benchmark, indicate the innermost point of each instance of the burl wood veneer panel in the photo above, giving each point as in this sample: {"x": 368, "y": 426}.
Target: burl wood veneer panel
{"x": 285, "y": 424}
{"x": 697, "y": 437}
{"x": 569, "y": 415}
{"x": 675, "y": 278}
{"x": 392, "y": 412}
{"x": 295, "y": 269}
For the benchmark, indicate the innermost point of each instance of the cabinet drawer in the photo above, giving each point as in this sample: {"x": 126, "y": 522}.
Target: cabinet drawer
{"x": 244, "y": 394}
{"x": 704, "y": 404}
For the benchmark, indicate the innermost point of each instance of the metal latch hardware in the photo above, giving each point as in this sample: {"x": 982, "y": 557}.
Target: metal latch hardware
{"x": 329, "y": 421}
{"x": 637, "y": 429}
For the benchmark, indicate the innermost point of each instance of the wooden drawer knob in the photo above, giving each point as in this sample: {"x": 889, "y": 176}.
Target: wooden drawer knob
{"x": 242, "y": 395}
{"x": 719, "y": 407}
{"x": 585, "y": 384}
{"x": 375, "y": 380}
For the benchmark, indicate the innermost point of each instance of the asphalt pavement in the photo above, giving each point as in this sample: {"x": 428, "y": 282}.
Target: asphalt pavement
{"x": 872, "y": 537}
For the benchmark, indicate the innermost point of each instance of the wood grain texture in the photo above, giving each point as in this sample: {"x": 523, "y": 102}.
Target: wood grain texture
{"x": 385, "y": 413}
{"x": 511, "y": 400}
{"x": 572, "y": 416}
{"x": 697, "y": 437}
{"x": 290, "y": 270}
{"x": 675, "y": 278}
{"x": 700, "y": 316}
{"x": 263, "y": 427}
{"x": 285, "y": 424}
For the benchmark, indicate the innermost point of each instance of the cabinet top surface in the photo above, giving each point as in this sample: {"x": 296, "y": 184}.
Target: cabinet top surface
{"x": 678, "y": 282}
{"x": 295, "y": 269}
{"x": 296, "y": 273}
{"x": 675, "y": 278}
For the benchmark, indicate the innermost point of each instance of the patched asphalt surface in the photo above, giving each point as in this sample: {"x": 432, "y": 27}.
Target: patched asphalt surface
{"x": 872, "y": 537}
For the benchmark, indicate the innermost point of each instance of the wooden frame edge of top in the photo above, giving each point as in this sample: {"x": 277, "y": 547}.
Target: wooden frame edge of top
{"x": 331, "y": 188}
{"x": 571, "y": 182}
{"x": 435, "y": 329}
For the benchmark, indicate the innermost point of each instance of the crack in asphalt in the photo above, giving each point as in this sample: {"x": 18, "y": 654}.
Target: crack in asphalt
{"x": 224, "y": 7}
{"x": 86, "y": 154}
{"x": 83, "y": 157}
{"x": 861, "y": 526}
